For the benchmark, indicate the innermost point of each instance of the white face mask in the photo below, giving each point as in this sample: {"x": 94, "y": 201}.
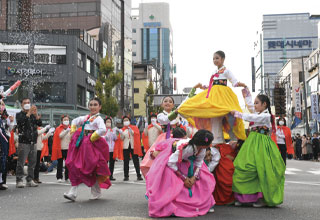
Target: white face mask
{"x": 154, "y": 120}
{"x": 281, "y": 123}
{"x": 108, "y": 125}
{"x": 126, "y": 123}
{"x": 27, "y": 106}
{"x": 66, "y": 123}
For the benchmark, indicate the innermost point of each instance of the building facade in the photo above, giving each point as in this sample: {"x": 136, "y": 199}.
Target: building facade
{"x": 58, "y": 75}
{"x": 152, "y": 41}
{"x": 107, "y": 21}
{"x": 283, "y": 36}
{"x": 299, "y": 76}
{"x": 143, "y": 75}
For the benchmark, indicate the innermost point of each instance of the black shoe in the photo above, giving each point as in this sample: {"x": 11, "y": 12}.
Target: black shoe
{"x": 112, "y": 179}
{"x": 126, "y": 179}
{"x": 37, "y": 181}
{"x": 139, "y": 178}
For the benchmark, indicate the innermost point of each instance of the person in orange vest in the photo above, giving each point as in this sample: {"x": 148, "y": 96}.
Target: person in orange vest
{"x": 284, "y": 139}
{"x": 151, "y": 132}
{"x": 130, "y": 135}
{"x": 42, "y": 136}
{"x": 110, "y": 137}
{"x": 60, "y": 146}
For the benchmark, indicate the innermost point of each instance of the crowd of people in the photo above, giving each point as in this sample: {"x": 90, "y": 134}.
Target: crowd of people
{"x": 188, "y": 169}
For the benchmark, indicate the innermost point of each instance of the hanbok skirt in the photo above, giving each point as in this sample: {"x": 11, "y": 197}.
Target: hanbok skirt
{"x": 221, "y": 101}
{"x": 88, "y": 163}
{"x": 147, "y": 161}
{"x": 259, "y": 171}
{"x": 223, "y": 173}
{"x": 167, "y": 194}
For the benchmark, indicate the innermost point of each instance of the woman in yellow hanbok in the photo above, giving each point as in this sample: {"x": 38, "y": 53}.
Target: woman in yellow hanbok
{"x": 209, "y": 109}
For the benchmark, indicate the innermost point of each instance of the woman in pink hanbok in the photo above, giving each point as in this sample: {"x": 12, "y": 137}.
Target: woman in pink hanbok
{"x": 178, "y": 182}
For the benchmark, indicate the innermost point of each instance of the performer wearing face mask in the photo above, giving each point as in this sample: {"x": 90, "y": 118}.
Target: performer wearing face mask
{"x": 110, "y": 137}
{"x": 283, "y": 139}
{"x": 151, "y": 132}
{"x": 130, "y": 135}
{"x": 60, "y": 146}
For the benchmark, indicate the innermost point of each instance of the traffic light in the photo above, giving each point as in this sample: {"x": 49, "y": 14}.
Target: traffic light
{"x": 280, "y": 101}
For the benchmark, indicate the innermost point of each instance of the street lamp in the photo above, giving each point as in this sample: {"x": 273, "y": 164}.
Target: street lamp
{"x": 304, "y": 90}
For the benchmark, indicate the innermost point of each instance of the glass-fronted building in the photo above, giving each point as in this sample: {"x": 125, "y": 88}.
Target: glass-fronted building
{"x": 107, "y": 21}
{"x": 152, "y": 41}
{"x": 283, "y": 36}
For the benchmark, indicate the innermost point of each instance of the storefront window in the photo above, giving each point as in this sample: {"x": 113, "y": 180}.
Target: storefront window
{"x": 50, "y": 93}
{"x": 89, "y": 96}
{"x": 312, "y": 85}
{"x": 80, "y": 95}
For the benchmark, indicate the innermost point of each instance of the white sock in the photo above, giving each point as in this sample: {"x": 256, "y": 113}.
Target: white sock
{"x": 217, "y": 130}
{"x": 73, "y": 191}
{"x": 95, "y": 190}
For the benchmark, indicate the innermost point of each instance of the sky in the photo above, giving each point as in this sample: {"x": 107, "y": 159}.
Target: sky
{"x": 204, "y": 26}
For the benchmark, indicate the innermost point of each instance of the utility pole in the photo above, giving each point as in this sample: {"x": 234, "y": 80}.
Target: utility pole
{"x": 305, "y": 98}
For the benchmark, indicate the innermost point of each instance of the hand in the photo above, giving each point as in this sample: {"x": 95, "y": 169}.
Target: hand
{"x": 193, "y": 180}
{"x": 233, "y": 112}
{"x": 155, "y": 153}
{"x": 51, "y": 130}
{"x": 11, "y": 118}
{"x": 34, "y": 110}
{"x": 38, "y": 116}
{"x": 199, "y": 85}
{"x": 68, "y": 129}
{"x": 188, "y": 183}
{"x": 240, "y": 84}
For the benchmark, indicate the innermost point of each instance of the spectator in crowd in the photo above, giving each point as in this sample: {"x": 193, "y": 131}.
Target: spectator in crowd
{"x": 304, "y": 147}
{"x": 43, "y": 135}
{"x": 28, "y": 121}
{"x": 298, "y": 146}
{"x": 60, "y": 146}
{"x": 309, "y": 148}
{"x": 315, "y": 146}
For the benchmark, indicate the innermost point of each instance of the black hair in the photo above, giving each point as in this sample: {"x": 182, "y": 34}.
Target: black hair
{"x": 96, "y": 99}
{"x": 25, "y": 99}
{"x": 64, "y": 116}
{"x": 4, "y": 114}
{"x": 166, "y": 97}
{"x": 178, "y": 132}
{"x": 265, "y": 99}
{"x": 221, "y": 54}
{"x": 107, "y": 118}
{"x": 282, "y": 119}
{"x": 238, "y": 145}
{"x": 126, "y": 116}
{"x": 202, "y": 138}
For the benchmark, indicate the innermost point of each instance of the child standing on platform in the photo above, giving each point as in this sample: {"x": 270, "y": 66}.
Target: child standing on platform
{"x": 209, "y": 109}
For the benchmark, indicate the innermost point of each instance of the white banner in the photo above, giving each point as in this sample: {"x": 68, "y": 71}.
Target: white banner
{"x": 297, "y": 97}
{"x": 314, "y": 106}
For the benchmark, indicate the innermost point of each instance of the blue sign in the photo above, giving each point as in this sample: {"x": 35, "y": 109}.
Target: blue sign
{"x": 152, "y": 24}
{"x": 289, "y": 43}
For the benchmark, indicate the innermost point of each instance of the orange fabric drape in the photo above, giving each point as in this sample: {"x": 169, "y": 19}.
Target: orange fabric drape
{"x": 12, "y": 147}
{"x": 287, "y": 134}
{"x": 223, "y": 174}
{"x": 56, "y": 144}
{"x": 118, "y": 149}
{"x": 45, "y": 149}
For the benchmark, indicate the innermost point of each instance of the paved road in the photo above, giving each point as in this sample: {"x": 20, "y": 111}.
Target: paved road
{"x": 125, "y": 200}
